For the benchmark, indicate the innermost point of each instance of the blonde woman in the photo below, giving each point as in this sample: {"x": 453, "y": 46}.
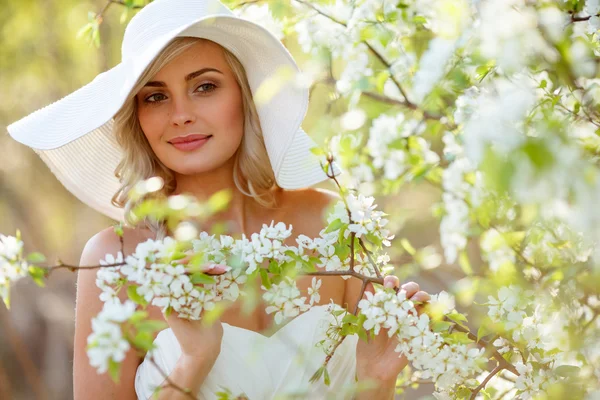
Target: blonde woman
{"x": 180, "y": 105}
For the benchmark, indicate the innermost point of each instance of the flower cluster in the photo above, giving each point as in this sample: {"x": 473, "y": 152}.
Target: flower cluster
{"x": 12, "y": 267}
{"x": 107, "y": 343}
{"x": 284, "y": 299}
{"x": 394, "y": 142}
{"x": 161, "y": 280}
{"x": 444, "y": 359}
{"x": 267, "y": 244}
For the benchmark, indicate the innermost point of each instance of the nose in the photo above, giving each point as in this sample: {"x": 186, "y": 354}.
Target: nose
{"x": 182, "y": 112}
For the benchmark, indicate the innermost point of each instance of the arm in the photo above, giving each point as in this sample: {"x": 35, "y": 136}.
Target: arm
{"x": 383, "y": 391}
{"x": 87, "y": 383}
{"x": 189, "y": 372}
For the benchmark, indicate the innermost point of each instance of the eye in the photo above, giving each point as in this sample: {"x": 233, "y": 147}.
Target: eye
{"x": 210, "y": 85}
{"x": 147, "y": 99}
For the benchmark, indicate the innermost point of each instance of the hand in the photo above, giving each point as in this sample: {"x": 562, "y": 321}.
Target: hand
{"x": 198, "y": 342}
{"x": 377, "y": 358}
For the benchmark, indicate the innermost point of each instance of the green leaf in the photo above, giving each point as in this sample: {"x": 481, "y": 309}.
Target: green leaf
{"x": 212, "y": 315}
{"x": 317, "y": 151}
{"x": 374, "y": 239}
{"x": 265, "y": 278}
{"x": 457, "y": 317}
{"x": 135, "y": 296}
{"x": 202, "y": 278}
{"x": 335, "y": 225}
{"x": 441, "y": 326}
{"x": 408, "y": 247}
{"x": 483, "y": 331}
{"x": 317, "y": 375}
{"x": 567, "y": 371}
{"x": 138, "y": 316}
{"x": 36, "y": 258}
{"x": 274, "y": 267}
{"x": 119, "y": 229}
{"x": 342, "y": 250}
{"x": 143, "y": 340}
{"x": 382, "y": 77}
{"x": 96, "y": 36}
{"x": 114, "y": 369}
{"x": 37, "y": 274}
{"x": 152, "y": 325}
{"x": 465, "y": 264}
{"x": 326, "y": 377}
{"x": 220, "y": 200}
{"x": 84, "y": 31}
{"x": 458, "y": 338}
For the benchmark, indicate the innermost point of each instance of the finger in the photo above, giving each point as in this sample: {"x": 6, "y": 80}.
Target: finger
{"x": 421, "y": 296}
{"x": 183, "y": 260}
{"x": 391, "y": 281}
{"x": 216, "y": 269}
{"x": 410, "y": 288}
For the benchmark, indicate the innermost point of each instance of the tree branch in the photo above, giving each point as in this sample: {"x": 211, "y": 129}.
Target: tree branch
{"x": 475, "y": 391}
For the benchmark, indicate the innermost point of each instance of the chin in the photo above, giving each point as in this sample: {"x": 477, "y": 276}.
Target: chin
{"x": 198, "y": 164}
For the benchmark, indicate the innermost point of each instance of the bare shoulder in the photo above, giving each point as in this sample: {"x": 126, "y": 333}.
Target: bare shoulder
{"x": 309, "y": 207}
{"x": 87, "y": 383}
{"x": 108, "y": 242}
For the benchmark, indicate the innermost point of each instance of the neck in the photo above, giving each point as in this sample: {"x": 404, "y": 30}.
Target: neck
{"x": 203, "y": 185}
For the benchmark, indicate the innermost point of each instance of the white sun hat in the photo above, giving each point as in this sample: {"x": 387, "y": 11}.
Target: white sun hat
{"x": 74, "y": 135}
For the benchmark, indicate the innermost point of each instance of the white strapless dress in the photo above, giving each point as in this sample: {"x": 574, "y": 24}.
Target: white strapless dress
{"x": 262, "y": 367}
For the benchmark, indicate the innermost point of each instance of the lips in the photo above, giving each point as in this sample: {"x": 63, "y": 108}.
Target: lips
{"x": 190, "y": 143}
{"x": 188, "y": 138}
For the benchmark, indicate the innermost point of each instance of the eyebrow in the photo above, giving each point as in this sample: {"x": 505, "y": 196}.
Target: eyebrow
{"x": 188, "y": 77}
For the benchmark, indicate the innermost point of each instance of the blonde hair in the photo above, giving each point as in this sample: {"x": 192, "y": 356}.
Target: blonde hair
{"x": 253, "y": 174}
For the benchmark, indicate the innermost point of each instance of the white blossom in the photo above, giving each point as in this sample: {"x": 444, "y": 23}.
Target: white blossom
{"x": 106, "y": 342}
{"x": 313, "y": 290}
{"x": 284, "y": 300}
{"x": 261, "y": 14}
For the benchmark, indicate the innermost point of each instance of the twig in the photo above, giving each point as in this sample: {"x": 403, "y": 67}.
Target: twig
{"x": 73, "y": 268}
{"x": 475, "y": 391}
{"x": 576, "y": 18}
{"x": 501, "y": 361}
{"x": 100, "y": 15}
{"x": 406, "y": 103}
{"x": 322, "y": 13}
{"x": 245, "y": 3}
{"x": 170, "y": 383}
{"x": 369, "y": 255}
{"x": 362, "y": 291}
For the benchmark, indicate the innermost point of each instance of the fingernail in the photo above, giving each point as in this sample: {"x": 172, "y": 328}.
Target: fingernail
{"x": 211, "y": 266}
{"x": 388, "y": 284}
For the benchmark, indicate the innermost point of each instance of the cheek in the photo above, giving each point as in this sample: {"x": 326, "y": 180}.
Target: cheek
{"x": 234, "y": 113}
{"x": 150, "y": 122}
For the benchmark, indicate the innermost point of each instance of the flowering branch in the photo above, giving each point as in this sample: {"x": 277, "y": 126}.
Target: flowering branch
{"x": 485, "y": 381}
{"x": 406, "y": 103}
{"x": 577, "y": 18}
{"x": 489, "y": 347}
{"x": 169, "y": 383}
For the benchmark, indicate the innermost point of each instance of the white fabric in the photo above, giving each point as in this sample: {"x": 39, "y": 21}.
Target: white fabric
{"x": 74, "y": 134}
{"x": 263, "y": 368}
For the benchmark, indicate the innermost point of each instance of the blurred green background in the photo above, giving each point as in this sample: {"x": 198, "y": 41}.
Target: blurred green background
{"x": 40, "y": 62}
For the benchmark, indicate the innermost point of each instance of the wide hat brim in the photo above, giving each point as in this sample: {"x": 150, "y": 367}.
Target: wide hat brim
{"x": 74, "y": 136}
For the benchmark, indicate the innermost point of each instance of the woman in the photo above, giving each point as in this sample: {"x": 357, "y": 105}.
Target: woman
{"x": 180, "y": 105}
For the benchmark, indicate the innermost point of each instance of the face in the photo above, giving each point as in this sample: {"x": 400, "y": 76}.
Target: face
{"x": 191, "y": 111}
